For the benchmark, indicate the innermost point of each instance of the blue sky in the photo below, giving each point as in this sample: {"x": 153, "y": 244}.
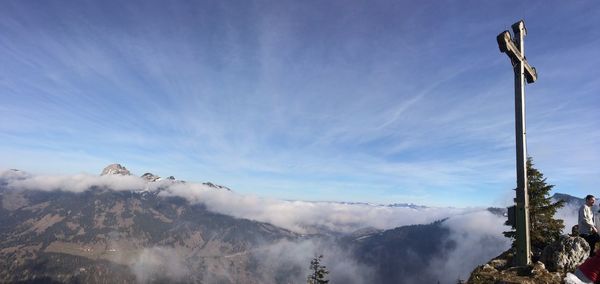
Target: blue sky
{"x": 374, "y": 101}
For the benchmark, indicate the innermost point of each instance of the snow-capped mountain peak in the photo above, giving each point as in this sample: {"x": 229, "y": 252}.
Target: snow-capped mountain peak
{"x": 115, "y": 169}
{"x": 210, "y": 184}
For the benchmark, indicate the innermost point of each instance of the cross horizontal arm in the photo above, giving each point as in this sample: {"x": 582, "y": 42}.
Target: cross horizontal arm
{"x": 507, "y": 46}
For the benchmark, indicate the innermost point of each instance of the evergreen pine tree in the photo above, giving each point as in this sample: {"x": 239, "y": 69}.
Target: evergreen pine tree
{"x": 318, "y": 272}
{"x": 544, "y": 229}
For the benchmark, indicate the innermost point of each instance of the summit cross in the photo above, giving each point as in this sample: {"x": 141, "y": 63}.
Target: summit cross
{"x": 515, "y": 49}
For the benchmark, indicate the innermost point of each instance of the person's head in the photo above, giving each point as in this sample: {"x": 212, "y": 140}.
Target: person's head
{"x": 589, "y": 200}
{"x": 575, "y": 231}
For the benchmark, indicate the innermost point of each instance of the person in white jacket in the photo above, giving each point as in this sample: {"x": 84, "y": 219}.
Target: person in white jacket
{"x": 587, "y": 229}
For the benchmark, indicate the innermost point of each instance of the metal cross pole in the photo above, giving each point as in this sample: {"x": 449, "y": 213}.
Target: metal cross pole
{"x": 515, "y": 49}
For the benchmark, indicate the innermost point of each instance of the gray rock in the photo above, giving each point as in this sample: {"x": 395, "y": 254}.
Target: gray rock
{"x": 115, "y": 169}
{"x": 538, "y": 269}
{"x": 488, "y": 268}
{"x": 150, "y": 177}
{"x": 498, "y": 263}
{"x": 565, "y": 254}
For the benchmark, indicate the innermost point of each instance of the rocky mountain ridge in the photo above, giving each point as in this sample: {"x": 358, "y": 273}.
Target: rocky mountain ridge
{"x": 98, "y": 235}
{"x": 118, "y": 169}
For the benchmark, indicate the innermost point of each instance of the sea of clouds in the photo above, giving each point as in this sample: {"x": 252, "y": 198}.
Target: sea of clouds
{"x": 298, "y": 216}
{"x": 476, "y": 231}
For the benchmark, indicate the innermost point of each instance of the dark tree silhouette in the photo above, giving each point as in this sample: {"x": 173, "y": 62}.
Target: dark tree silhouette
{"x": 318, "y": 272}
{"x": 544, "y": 228}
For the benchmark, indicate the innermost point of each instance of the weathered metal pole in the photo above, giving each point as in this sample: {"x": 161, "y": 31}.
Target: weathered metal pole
{"x": 522, "y": 200}
{"x": 519, "y": 215}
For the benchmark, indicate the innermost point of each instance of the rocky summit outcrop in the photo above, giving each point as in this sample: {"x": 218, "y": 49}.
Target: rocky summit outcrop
{"x": 555, "y": 261}
{"x": 150, "y": 177}
{"x": 565, "y": 254}
{"x": 498, "y": 271}
{"x": 115, "y": 169}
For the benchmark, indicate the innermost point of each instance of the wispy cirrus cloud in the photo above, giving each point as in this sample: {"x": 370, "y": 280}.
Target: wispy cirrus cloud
{"x": 409, "y": 100}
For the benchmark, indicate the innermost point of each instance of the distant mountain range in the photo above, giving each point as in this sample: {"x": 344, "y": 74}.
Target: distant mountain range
{"x": 569, "y": 199}
{"x": 110, "y": 236}
{"x": 101, "y": 235}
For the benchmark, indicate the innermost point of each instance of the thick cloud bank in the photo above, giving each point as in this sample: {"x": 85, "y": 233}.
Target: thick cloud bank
{"x": 478, "y": 238}
{"x": 569, "y": 215}
{"x": 298, "y": 216}
{"x": 73, "y": 183}
{"x": 159, "y": 263}
{"x": 477, "y": 233}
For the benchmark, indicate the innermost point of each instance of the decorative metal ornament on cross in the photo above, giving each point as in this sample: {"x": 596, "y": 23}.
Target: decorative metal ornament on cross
{"x": 519, "y": 214}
